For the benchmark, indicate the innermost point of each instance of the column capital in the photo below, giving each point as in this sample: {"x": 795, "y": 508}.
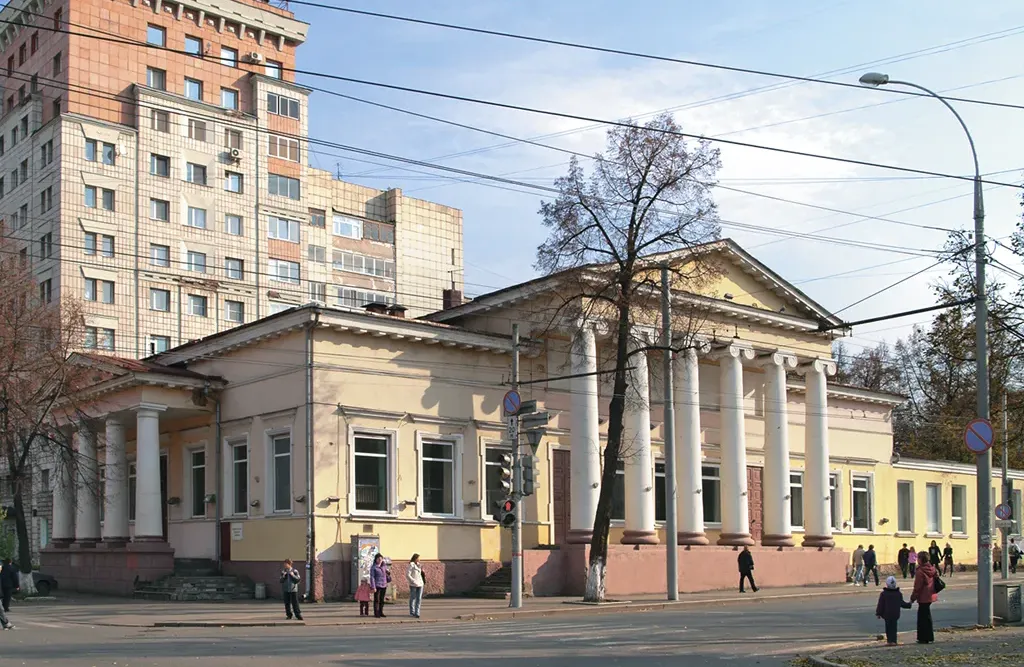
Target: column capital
{"x": 115, "y": 421}
{"x": 777, "y": 358}
{"x": 819, "y": 365}
{"x": 149, "y": 407}
{"x": 734, "y": 350}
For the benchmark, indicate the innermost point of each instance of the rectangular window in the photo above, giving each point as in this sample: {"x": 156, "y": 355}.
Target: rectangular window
{"x": 194, "y": 89}
{"x": 107, "y": 245}
{"x": 55, "y": 105}
{"x": 195, "y": 261}
{"x": 232, "y": 139}
{"x": 58, "y": 64}
{"x": 156, "y": 78}
{"x": 229, "y": 98}
{"x": 234, "y": 268}
{"x": 193, "y": 46}
{"x": 196, "y": 130}
{"x": 376, "y": 231}
{"x": 22, "y": 54}
{"x": 280, "y": 105}
{"x": 24, "y": 127}
{"x": 318, "y": 292}
{"x": 90, "y": 196}
{"x": 370, "y": 266}
{"x": 233, "y": 224}
{"x": 159, "y": 255}
{"x": 160, "y": 299}
{"x": 46, "y": 291}
{"x": 317, "y": 217}
{"x": 91, "y": 240}
{"x": 273, "y": 69}
{"x": 228, "y": 57}
{"x": 318, "y": 254}
{"x": 659, "y": 491}
{"x": 234, "y": 311}
{"x": 97, "y": 338}
{"x": 283, "y": 271}
{"x": 197, "y": 464}
{"x": 197, "y": 217}
{"x": 160, "y": 165}
{"x": 156, "y": 35}
{"x": 279, "y": 307}
{"x": 233, "y": 182}
{"x": 195, "y": 173}
{"x": 197, "y": 305}
{"x": 493, "y": 463}
{"x": 240, "y": 478}
{"x": 161, "y": 120}
{"x": 618, "y": 511}
{"x": 796, "y": 499}
{"x": 1016, "y": 509}
{"x": 282, "y": 147}
{"x": 10, "y": 65}
{"x": 158, "y": 344}
{"x": 45, "y": 246}
{"x": 960, "y": 510}
{"x": 353, "y": 298}
{"x": 438, "y": 470}
{"x": 132, "y": 488}
{"x": 14, "y": 136}
{"x": 351, "y": 228}
{"x": 372, "y": 473}
{"x": 905, "y": 507}
{"x": 282, "y": 473}
{"x": 284, "y": 186}
{"x": 108, "y": 199}
{"x": 34, "y": 43}
{"x": 46, "y": 199}
{"x": 861, "y": 503}
{"x": 712, "y": 493}
{"x": 159, "y": 210}
{"x": 282, "y": 229}
{"x": 933, "y": 506}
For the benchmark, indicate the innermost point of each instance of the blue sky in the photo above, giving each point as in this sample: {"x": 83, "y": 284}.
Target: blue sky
{"x": 502, "y": 228}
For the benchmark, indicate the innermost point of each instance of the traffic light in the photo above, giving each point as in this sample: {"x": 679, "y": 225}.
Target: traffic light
{"x": 528, "y": 475}
{"x": 507, "y": 464}
{"x": 507, "y": 513}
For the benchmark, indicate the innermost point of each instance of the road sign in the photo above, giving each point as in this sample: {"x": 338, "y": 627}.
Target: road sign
{"x": 512, "y": 402}
{"x": 528, "y": 406}
{"x": 512, "y": 434}
{"x": 978, "y": 436}
{"x": 1003, "y": 511}
{"x": 1005, "y": 524}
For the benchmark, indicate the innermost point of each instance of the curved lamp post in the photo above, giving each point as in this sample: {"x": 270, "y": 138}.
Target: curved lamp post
{"x": 984, "y": 478}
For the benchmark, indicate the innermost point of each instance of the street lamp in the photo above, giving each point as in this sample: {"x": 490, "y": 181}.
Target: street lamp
{"x": 984, "y": 482}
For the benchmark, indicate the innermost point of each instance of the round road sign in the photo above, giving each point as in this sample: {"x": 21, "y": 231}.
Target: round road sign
{"x": 1003, "y": 512}
{"x": 978, "y": 436}
{"x": 512, "y": 402}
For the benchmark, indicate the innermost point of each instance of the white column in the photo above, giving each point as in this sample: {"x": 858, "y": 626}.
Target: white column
{"x": 778, "y": 531}
{"x": 148, "y": 516}
{"x": 115, "y": 520}
{"x": 63, "y": 502}
{"x": 735, "y": 513}
{"x": 817, "y": 503}
{"x": 585, "y": 439}
{"x": 690, "y": 505}
{"x": 636, "y": 451}
{"x": 87, "y": 496}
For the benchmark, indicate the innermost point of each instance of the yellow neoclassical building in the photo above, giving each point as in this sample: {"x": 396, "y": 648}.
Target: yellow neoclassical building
{"x": 318, "y": 433}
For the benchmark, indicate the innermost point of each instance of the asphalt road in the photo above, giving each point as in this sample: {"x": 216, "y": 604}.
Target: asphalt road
{"x": 755, "y": 633}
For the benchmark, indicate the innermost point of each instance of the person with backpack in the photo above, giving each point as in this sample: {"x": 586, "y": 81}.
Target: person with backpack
{"x": 925, "y": 593}
{"x": 890, "y": 602}
{"x": 746, "y": 564}
{"x": 1014, "y": 550}
{"x": 870, "y": 564}
{"x": 903, "y": 560}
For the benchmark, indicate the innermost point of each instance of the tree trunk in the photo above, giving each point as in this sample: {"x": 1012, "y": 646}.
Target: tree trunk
{"x": 26, "y": 581}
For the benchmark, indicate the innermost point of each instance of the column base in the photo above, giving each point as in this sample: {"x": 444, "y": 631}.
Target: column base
{"x": 692, "y": 539}
{"x": 818, "y": 542}
{"x": 778, "y": 541}
{"x": 735, "y": 540}
{"x": 579, "y": 536}
{"x": 87, "y": 542}
{"x": 115, "y": 542}
{"x": 60, "y": 542}
{"x": 639, "y": 537}
{"x": 149, "y": 538}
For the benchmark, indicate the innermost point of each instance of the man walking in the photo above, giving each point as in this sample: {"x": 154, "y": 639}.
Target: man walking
{"x": 903, "y": 560}
{"x": 9, "y": 584}
{"x": 1014, "y": 550}
{"x": 870, "y": 564}
{"x": 858, "y": 564}
{"x": 290, "y": 589}
{"x": 746, "y": 563}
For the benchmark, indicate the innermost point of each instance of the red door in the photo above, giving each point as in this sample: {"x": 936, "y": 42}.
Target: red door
{"x": 754, "y": 502}
{"x": 560, "y": 476}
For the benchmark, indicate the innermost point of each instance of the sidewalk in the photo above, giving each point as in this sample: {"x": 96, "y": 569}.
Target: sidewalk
{"x": 105, "y": 611}
{"x": 990, "y": 647}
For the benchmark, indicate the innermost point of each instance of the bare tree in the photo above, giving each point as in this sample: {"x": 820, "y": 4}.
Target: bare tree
{"x": 648, "y": 195}
{"x": 37, "y": 335}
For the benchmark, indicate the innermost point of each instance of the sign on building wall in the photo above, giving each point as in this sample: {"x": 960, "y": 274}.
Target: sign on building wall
{"x": 236, "y": 532}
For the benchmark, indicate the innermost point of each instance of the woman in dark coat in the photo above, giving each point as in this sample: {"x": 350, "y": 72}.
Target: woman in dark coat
{"x": 924, "y": 596}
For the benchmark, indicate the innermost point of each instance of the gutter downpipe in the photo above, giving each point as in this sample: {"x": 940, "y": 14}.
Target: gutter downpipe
{"x": 310, "y": 507}
{"x": 217, "y": 466}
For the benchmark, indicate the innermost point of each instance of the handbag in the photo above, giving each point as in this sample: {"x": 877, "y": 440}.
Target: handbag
{"x": 938, "y": 585}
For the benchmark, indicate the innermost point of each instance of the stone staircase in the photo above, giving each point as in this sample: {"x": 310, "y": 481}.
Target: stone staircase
{"x": 195, "y": 580}
{"x": 498, "y": 586}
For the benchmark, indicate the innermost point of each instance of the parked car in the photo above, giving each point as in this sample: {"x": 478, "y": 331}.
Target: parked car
{"x": 45, "y": 584}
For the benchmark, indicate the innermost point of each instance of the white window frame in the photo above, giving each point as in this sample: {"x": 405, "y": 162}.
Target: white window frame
{"x": 455, "y": 441}
{"x": 190, "y": 219}
{"x": 870, "y": 478}
{"x": 274, "y": 269}
{"x": 193, "y": 263}
{"x": 151, "y": 343}
{"x": 274, "y": 229}
{"x": 913, "y": 519}
{"x": 229, "y": 475}
{"x": 392, "y": 453}
{"x": 928, "y": 489}
{"x": 338, "y": 220}
{"x": 153, "y": 291}
{"x": 952, "y": 509}
{"x": 718, "y": 465}
{"x": 206, "y": 301}
{"x": 227, "y": 224}
{"x": 227, "y": 311}
{"x": 270, "y": 457}
{"x": 800, "y": 485}
{"x": 189, "y": 470}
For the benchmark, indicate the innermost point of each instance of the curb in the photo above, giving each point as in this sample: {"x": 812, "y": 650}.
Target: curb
{"x": 825, "y": 662}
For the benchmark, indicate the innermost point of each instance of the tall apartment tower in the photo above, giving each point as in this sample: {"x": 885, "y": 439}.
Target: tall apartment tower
{"x": 153, "y": 164}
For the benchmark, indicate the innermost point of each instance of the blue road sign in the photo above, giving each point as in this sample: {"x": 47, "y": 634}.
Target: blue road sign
{"x": 978, "y": 436}
{"x": 511, "y": 402}
{"x": 1003, "y": 512}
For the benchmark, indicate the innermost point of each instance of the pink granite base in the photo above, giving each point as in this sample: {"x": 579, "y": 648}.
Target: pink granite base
{"x": 107, "y": 568}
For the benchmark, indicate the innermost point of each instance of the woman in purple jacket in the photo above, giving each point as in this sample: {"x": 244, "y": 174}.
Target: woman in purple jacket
{"x": 379, "y": 582}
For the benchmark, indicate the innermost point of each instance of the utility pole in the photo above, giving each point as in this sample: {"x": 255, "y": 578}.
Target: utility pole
{"x": 516, "y": 597}
{"x": 669, "y": 429}
{"x": 1007, "y": 489}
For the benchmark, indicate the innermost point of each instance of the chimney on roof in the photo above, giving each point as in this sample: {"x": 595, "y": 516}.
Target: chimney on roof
{"x": 376, "y": 308}
{"x": 451, "y": 298}
{"x": 397, "y": 311}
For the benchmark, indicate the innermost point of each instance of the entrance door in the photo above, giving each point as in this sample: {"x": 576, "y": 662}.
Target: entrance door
{"x": 163, "y": 493}
{"x": 755, "y": 499}
{"x": 225, "y": 541}
{"x": 560, "y": 482}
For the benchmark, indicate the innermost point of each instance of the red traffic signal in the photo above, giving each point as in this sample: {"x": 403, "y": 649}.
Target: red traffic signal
{"x": 508, "y": 513}
{"x": 508, "y": 506}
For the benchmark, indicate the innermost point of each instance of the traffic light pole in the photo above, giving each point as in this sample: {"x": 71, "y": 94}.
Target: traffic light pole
{"x": 516, "y": 598}
{"x": 671, "y": 520}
